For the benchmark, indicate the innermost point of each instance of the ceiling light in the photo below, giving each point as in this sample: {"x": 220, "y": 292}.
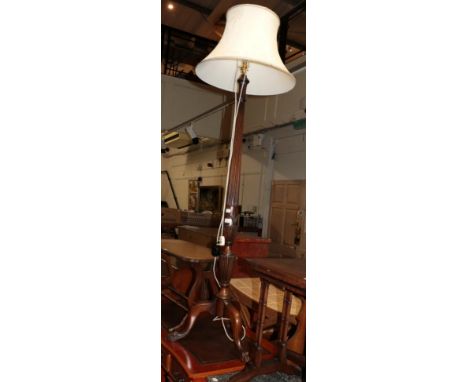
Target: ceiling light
{"x": 170, "y": 6}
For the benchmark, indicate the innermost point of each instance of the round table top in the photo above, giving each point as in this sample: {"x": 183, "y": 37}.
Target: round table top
{"x": 186, "y": 250}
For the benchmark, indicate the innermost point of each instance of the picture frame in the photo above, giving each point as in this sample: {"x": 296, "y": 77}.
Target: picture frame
{"x": 210, "y": 198}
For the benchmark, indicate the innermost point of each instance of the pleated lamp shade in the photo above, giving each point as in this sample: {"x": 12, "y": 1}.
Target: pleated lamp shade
{"x": 249, "y": 36}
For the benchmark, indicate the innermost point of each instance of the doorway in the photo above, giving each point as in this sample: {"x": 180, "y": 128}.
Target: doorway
{"x": 287, "y": 218}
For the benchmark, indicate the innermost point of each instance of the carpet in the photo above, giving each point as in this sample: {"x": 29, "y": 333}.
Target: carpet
{"x": 274, "y": 377}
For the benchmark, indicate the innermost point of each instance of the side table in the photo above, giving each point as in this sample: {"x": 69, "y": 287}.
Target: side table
{"x": 288, "y": 275}
{"x": 199, "y": 260}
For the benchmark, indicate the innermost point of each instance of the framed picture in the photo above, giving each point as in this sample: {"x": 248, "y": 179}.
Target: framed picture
{"x": 193, "y": 202}
{"x": 193, "y": 186}
{"x": 210, "y": 198}
{"x": 193, "y": 194}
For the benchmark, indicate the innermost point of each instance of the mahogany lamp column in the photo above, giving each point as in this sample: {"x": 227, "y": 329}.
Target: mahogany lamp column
{"x": 227, "y": 259}
{"x": 248, "y": 48}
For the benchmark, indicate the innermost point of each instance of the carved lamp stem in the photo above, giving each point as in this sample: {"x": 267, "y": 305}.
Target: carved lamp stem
{"x": 228, "y": 258}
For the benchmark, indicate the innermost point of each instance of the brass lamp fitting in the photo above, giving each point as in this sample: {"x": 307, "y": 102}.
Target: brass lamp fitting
{"x": 244, "y": 67}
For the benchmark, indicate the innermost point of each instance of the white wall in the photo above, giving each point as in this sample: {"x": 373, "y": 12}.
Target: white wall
{"x": 191, "y": 165}
{"x": 262, "y": 112}
{"x": 289, "y": 163}
{"x": 183, "y": 100}
{"x": 290, "y": 153}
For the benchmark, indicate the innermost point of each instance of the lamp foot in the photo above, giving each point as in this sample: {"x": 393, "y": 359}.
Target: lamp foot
{"x": 180, "y": 331}
{"x": 236, "y": 326}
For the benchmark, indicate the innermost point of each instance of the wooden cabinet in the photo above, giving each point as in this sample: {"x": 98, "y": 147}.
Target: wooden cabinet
{"x": 198, "y": 235}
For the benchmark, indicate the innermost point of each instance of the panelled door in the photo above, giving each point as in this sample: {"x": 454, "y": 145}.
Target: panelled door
{"x": 287, "y": 215}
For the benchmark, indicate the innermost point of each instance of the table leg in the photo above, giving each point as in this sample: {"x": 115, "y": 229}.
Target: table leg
{"x": 196, "y": 289}
{"x": 261, "y": 318}
{"x": 254, "y": 368}
{"x": 181, "y": 330}
{"x": 233, "y": 313}
{"x": 284, "y": 325}
{"x": 297, "y": 342}
{"x": 195, "y": 308}
{"x": 257, "y": 367}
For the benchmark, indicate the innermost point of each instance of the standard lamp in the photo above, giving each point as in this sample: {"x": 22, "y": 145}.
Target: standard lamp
{"x": 245, "y": 61}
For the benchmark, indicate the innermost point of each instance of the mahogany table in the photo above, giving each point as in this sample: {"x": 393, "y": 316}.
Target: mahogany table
{"x": 194, "y": 300}
{"x": 289, "y": 275}
{"x": 247, "y": 291}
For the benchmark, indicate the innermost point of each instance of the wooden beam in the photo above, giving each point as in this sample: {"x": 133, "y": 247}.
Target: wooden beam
{"x": 199, "y": 8}
{"x": 208, "y": 25}
{"x": 294, "y": 12}
{"x": 295, "y": 44}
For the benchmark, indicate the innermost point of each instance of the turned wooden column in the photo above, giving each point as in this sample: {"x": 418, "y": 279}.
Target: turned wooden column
{"x": 227, "y": 258}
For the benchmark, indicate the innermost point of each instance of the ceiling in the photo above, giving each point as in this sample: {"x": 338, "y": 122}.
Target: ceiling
{"x": 206, "y": 19}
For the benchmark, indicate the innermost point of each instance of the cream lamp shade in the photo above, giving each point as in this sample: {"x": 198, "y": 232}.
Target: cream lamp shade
{"x": 249, "y": 36}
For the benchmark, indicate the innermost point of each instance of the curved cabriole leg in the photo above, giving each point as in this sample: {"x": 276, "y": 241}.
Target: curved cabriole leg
{"x": 236, "y": 327}
{"x": 189, "y": 320}
{"x": 196, "y": 289}
{"x": 179, "y": 325}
